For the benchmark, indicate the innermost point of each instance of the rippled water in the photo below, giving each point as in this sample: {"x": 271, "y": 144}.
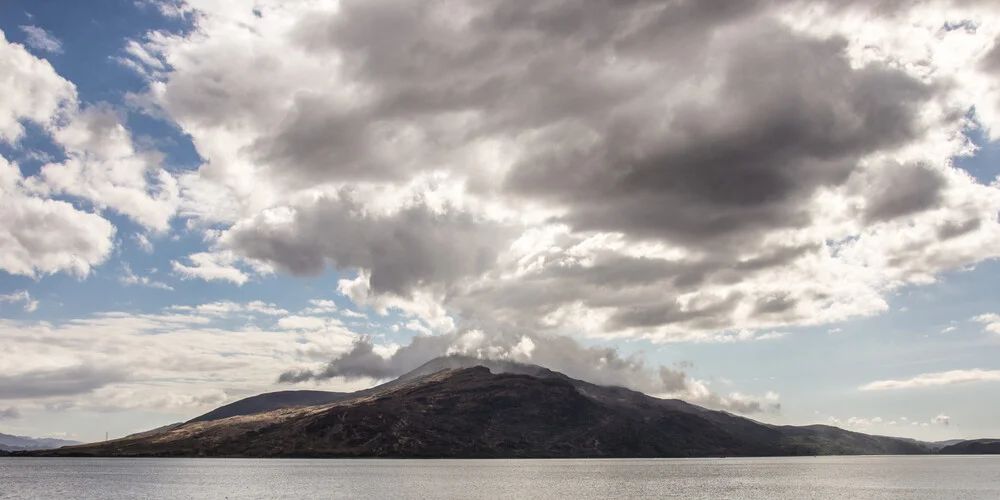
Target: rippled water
{"x": 923, "y": 478}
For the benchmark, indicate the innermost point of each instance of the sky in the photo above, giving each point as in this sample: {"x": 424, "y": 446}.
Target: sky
{"x": 785, "y": 209}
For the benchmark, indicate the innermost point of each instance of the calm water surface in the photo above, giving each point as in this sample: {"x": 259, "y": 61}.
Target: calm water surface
{"x": 824, "y": 478}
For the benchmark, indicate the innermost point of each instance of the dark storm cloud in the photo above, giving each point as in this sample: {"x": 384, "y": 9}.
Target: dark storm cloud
{"x": 903, "y": 190}
{"x": 775, "y": 304}
{"x": 415, "y": 246}
{"x": 951, "y": 230}
{"x": 517, "y": 67}
{"x": 792, "y": 115}
{"x": 362, "y": 362}
{"x": 59, "y": 382}
{"x": 664, "y": 313}
{"x": 991, "y": 62}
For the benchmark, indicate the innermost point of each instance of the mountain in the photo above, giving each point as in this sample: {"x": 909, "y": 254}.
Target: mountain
{"x": 17, "y": 443}
{"x": 455, "y": 407}
{"x": 290, "y": 399}
{"x": 973, "y": 447}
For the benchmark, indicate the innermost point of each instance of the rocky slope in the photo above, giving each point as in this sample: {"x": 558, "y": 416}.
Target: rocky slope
{"x": 522, "y": 411}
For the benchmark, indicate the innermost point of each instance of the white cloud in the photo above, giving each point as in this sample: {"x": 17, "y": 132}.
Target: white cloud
{"x": 38, "y": 38}
{"x": 992, "y": 322}
{"x": 949, "y": 329}
{"x": 261, "y": 307}
{"x": 935, "y": 379}
{"x": 941, "y": 420}
{"x": 309, "y": 323}
{"x": 40, "y": 236}
{"x": 32, "y": 91}
{"x": 104, "y": 167}
{"x": 859, "y": 422}
{"x": 353, "y": 314}
{"x": 20, "y": 296}
{"x": 771, "y": 336}
{"x": 212, "y": 266}
{"x": 128, "y": 278}
{"x": 143, "y": 242}
{"x": 416, "y": 326}
{"x": 224, "y": 308}
{"x": 320, "y": 306}
{"x": 102, "y": 164}
{"x": 171, "y": 361}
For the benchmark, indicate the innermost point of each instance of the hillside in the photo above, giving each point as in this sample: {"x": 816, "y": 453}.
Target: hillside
{"x": 973, "y": 447}
{"x": 525, "y": 411}
{"x": 271, "y": 401}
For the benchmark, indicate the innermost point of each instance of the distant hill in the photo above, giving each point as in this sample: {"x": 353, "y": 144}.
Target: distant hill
{"x": 933, "y": 445}
{"x": 973, "y": 447}
{"x": 18, "y": 443}
{"x": 455, "y": 407}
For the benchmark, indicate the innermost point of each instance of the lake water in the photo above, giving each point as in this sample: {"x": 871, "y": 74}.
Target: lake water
{"x": 823, "y": 478}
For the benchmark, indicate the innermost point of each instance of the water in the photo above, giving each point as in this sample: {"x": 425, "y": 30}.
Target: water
{"x": 823, "y": 478}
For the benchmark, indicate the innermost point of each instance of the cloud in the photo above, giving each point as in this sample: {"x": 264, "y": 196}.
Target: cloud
{"x": 401, "y": 250}
{"x": 20, "y": 296}
{"x": 10, "y": 413}
{"x": 228, "y": 308}
{"x": 177, "y": 360}
{"x": 32, "y": 91}
{"x": 104, "y": 166}
{"x": 935, "y": 379}
{"x": 129, "y": 278}
{"x": 212, "y": 266}
{"x": 320, "y": 306}
{"x": 517, "y": 176}
{"x": 310, "y": 323}
{"x": 992, "y": 322}
{"x": 600, "y": 365}
{"x": 949, "y": 329}
{"x": 66, "y": 381}
{"x": 943, "y": 420}
{"x": 143, "y": 242}
{"x": 40, "y": 236}
{"x": 860, "y": 422}
{"x": 39, "y": 39}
